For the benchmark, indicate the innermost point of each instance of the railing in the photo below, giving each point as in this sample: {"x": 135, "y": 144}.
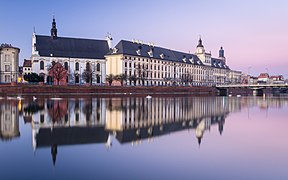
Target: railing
{"x": 252, "y": 85}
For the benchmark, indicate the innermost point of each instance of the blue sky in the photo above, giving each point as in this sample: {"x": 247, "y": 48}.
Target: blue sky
{"x": 253, "y": 33}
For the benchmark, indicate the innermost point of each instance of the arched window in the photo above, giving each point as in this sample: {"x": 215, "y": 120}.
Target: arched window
{"x": 77, "y": 66}
{"x": 77, "y": 80}
{"x": 88, "y": 66}
{"x": 41, "y": 65}
{"x": 98, "y": 67}
{"x": 66, "y": 65}
{"x": 98, "y": 79}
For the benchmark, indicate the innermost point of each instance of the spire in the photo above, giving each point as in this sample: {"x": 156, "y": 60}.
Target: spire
{"x": 54, "y": 153}
{"x": 54, "y": 29}
{"x": 200, "y": 42}
{"x": 199, "y": 140}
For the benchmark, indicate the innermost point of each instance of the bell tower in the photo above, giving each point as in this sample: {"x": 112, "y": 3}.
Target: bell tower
{"x": 200, "y": 48}
{"x": 54, "y": 29}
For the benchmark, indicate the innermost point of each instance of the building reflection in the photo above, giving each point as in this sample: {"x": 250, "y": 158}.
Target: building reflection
{"x": 9, "y": 120}
{"x": 126, "y": 120}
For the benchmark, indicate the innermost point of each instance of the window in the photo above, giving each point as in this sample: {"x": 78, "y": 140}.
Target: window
{"x": 42, "y": 118}
{"x": 7, "y": 68}
{"x": 88, "y": 66}
{"x": 98, "y": 79}
{"x": 7, "y": 78}
{"x": 66, "y": 65}
{"x": 77, "y": 66}
{"x": 98, "y": 67}
{"x": 41, "y": 65}
{"x": 125, "y": 64}
{"x": 77, "y": 80}
{"x": 77, "y": 117}
{"x": 7, "y": 58}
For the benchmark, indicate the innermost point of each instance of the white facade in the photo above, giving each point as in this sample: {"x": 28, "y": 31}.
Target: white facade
{"x": 74, "y": 66}
{"x": 9, "y": 60}
{"x": 197, "y": 70}
{"x": 27, "y": 70}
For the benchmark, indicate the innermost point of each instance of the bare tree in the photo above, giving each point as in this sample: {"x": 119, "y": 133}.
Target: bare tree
{"x": 186, "y": 79}
{"x": 87, "y": 74}
{"x": 133, "y": 79}
{"x": 142, "y": 71}
{"x": 57, "y": 71}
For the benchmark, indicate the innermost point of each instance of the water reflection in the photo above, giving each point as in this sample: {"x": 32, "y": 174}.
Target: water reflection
{"x": 127, "y": 120}
{"x": 9, "y": 120}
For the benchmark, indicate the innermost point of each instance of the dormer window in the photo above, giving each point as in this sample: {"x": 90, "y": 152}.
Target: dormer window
{"x": 150, "y": 53}
{"x": 220, "y": 64}
{"x": 191, "y": 60}
{"x": 198, "y": 62}
{"x": 162, "y": 56}
{"x": 138, "y": 52}
{"x": 184, "y": 59}
{"x": 115, "y": 50}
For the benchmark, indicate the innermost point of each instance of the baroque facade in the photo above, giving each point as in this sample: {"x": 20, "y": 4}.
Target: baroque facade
{"x": 74, "y": 54}
{"x": 160, "y": 66}
{"x": 9, "y": 60}
{"x": 141, "y": 63}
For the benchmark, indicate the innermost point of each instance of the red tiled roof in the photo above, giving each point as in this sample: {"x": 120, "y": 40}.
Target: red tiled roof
{"x": 263, "y": 75}
{"x": 27, "y": 63}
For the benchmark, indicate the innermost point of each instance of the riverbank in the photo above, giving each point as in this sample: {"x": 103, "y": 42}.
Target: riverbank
{"x": 84, "y": 90}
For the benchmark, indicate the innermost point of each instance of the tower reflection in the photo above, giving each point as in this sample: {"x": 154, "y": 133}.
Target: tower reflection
{"x": 128, "y": 120}
{"x": 56, "y": 123}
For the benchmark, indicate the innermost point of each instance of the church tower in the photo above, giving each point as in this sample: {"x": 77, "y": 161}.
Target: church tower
{"x": 54, "y": 29}
{"x": 34, "y": 52}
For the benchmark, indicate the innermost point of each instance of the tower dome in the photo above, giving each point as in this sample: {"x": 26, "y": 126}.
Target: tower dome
{"x": 200, "y": 43}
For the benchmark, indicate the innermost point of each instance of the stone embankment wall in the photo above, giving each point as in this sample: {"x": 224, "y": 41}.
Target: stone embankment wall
{"x": 25, "y": 89}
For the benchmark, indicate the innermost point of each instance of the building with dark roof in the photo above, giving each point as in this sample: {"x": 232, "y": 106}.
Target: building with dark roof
{"x": 27, "y": 67}
{"x": 75, "y": 54}
{"x": 154, "y": 65}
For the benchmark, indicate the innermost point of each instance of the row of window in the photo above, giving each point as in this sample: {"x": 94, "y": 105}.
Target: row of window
{"x": 170, "y": 69}
{"x": 66, "y": 66}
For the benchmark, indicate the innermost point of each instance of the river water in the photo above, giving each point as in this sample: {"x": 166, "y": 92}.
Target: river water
{"x": 141, "y": 138}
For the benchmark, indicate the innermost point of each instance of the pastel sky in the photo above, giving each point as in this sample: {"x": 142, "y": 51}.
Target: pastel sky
{"x": 253, "y": 33}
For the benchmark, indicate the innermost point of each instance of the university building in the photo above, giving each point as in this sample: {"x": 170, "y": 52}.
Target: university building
{"x": 141, "y": 63}
{"x": 9, "y": 60}
{"x": 75, "y": 55}
{"x": 160, "y": 66}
